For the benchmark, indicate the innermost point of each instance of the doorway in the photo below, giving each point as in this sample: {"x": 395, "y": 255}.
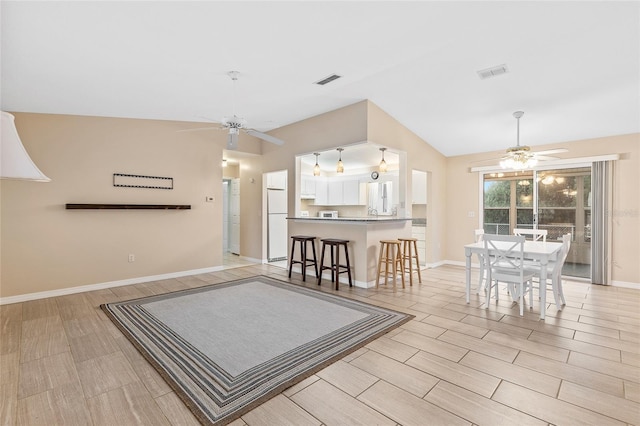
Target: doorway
{"x": 557, "y": 200}
{"x": 230, "y": 221}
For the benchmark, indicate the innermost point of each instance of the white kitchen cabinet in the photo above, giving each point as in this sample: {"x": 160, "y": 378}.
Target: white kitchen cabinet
{"x": 307, "y": 187}
{"x": 335, "y": 192}
{"x": 321, "y": 193}
{"x": 277, "y": 180}
{"x": 351, "y": 192}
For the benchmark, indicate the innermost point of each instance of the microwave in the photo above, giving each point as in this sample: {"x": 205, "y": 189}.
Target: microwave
{"x": 328, "y": 213}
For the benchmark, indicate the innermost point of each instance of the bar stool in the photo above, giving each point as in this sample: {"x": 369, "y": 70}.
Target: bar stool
{"x": 304, "y": 262}
{"x": 410, "y": 252}
{"x": 391, "y": 257}
{"x": 334, "y": 247}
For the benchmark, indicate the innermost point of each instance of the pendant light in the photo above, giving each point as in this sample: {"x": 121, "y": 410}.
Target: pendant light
{"x": 316, "y": 168}
{"x": 340, "y": 166}
{"x": 15, "y": 162}
{"x": 383, "y": 164}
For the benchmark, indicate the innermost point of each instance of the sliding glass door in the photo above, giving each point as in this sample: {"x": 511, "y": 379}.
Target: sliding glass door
{"x": 556, "y": 200}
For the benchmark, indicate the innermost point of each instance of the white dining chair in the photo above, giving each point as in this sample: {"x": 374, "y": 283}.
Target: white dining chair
{"x": 479, "y": 234}
{"x": 535, "y": 234}
{"x": 504, "y": 262}
{"x": 554, "y": 271}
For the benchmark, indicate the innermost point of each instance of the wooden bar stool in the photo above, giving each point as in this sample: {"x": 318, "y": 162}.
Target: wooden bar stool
{"x": 304, "y": 261}
{"x": 334, "y": 247}
{"x": 391, "y": 257}
{"x": 410, "y": 252}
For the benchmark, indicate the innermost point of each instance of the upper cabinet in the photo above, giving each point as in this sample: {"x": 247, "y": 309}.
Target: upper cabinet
{"x": 333, "y": 191}
{"x": 277, "y": 180}
{"x": 307, "y": 188}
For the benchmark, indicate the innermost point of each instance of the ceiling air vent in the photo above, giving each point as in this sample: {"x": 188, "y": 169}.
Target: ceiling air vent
{"x": 328, "y": 79}
{"x": 493, "y": 71}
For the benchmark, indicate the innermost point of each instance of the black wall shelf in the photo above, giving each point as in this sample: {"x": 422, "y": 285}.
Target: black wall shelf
{"x": 128, "y": 206}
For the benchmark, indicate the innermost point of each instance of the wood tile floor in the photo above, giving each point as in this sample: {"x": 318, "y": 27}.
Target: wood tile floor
{"x": 64, "y": 363}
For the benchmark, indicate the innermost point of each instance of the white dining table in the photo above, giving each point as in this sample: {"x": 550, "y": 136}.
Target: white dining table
{"x": 539, "y": 251}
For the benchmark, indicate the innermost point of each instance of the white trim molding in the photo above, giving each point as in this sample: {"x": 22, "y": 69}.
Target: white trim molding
{"x": 101, "y": 286}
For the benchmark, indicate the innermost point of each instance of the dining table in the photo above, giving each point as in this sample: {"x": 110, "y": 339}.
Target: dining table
{"x": 539, "y": 251}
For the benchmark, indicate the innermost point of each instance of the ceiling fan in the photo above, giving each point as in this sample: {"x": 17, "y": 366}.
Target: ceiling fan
{"x": 235, "y": 124}
{"x": 521, "y": 157}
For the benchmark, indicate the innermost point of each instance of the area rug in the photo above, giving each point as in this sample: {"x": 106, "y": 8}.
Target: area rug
{"x": 227, "y": 348}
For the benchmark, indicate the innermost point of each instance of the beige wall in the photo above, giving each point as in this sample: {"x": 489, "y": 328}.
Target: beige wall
{"x": 385, "y": 130}
{"x": 45, "y": 247}
{"x": 462, "y": 188}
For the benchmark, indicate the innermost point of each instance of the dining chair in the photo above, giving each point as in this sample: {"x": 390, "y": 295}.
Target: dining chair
{"x": 504, "y": 262}
{"x": 535, "y": 234}
{"x": 479, "y": 234}
{"x": 554, "y": 270}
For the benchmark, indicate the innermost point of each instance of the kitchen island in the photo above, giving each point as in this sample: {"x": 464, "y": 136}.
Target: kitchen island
{"x": 364, "y": 235}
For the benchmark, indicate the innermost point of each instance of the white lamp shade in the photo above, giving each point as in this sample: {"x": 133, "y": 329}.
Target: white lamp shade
{"x": 15, "y": 162}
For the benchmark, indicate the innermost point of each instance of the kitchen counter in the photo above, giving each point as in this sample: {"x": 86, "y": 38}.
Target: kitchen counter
{"x": 364, "y": 235}
{"x": 368, "y": 219}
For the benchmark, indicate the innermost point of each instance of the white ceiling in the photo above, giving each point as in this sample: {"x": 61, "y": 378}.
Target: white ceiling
{"x": 574, "y": 67}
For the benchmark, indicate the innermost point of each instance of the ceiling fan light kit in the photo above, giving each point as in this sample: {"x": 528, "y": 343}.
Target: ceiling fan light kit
{"x": 518, "y": 157}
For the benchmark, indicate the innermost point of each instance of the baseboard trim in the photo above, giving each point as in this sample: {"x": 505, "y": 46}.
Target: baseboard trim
{"x": 625, "y": 284}
{"x": 101, "y": 286}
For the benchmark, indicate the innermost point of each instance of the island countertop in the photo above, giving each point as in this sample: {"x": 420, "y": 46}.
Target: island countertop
{"x": 368, "y": 219}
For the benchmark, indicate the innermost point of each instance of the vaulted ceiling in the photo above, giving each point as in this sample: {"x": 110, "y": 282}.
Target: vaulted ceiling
{"x": 573, "y": 67}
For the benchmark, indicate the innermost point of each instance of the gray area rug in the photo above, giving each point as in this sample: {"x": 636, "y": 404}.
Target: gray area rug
{"x": 227, "y": 348}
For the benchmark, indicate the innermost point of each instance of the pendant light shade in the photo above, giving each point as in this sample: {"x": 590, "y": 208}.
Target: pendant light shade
{"x": 383, "y": 164}
{"x": 15, "y": 162}
{"x": 316, "y": 168}
{"x": 340, "y": 166}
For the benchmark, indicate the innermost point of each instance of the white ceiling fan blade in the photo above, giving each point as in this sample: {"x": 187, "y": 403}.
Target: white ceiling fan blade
{"x": 551, "y": 151}
{"x": 232, "y": 141}
{"x": 265, "y": 137}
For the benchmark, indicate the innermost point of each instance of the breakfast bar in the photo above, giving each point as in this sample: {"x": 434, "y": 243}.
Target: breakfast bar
{"x": 364, "y": 235}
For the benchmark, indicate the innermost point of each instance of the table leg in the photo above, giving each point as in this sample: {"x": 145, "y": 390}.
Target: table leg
{"x": 468, "y": 275}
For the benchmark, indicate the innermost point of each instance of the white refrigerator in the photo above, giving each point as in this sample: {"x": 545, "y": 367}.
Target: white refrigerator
{"x": 277, "y": 224}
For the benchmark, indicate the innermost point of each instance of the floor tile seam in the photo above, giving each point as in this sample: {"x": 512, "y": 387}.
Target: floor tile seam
{"x": 587, "y": 408}
{"x": 543, "y": 395}
{"x": 620, "y": 363}
{"x": 575, "y": 368}
{"x": 583, "y": 351}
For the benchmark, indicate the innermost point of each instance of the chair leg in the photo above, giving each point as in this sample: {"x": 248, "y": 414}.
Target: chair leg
{"x": 321, "y": 264}
{"x": 293, "y": 249}
{"x": 346, "y": 255}
{"x": 315, "y": 260}
{"x": 564, "y": 303}
{"x": 303, "y": 255}
{"x": 415, "y": 248}
{"x": 521, "y": 299}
